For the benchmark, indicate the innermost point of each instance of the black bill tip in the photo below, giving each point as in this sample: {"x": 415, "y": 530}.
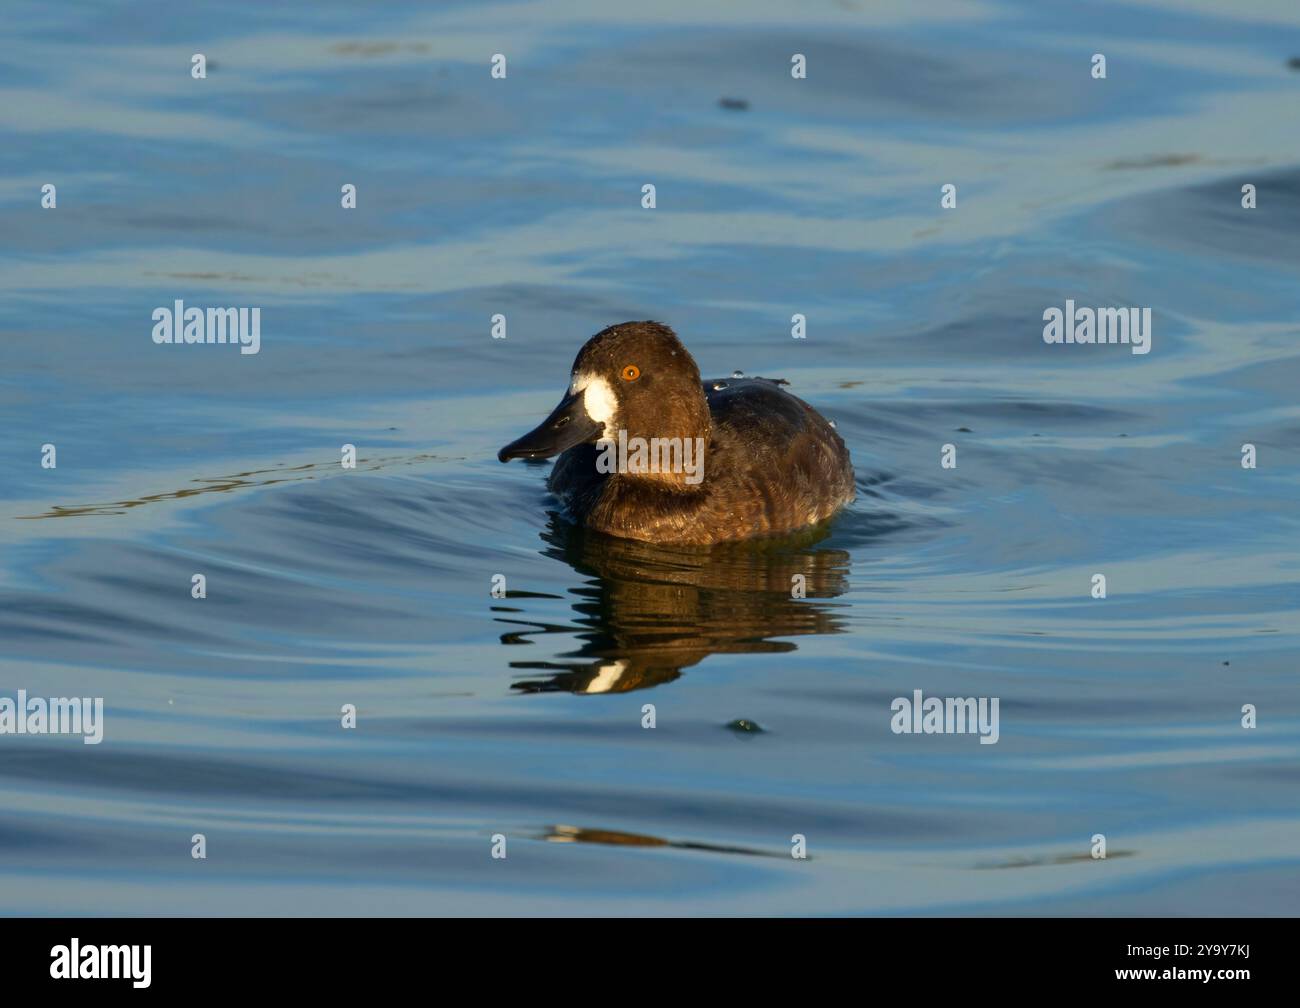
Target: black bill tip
{"x": 568, "y": 425}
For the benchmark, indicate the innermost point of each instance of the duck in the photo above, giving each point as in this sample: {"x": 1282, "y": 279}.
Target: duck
{"x": 649, "y": 451}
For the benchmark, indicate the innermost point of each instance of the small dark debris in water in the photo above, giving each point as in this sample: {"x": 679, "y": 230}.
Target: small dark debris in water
{"x": 1226, "y": 663}
{"x": 736, "y": 104}
{"x": 1123, "y": 435}
{"x": 964, "y": 430}
{"x": 747, "y": 726}
{"x": 1155, "y": 161}
{"x": 1059, "y": 859}
{"x": 1294, "y": 62}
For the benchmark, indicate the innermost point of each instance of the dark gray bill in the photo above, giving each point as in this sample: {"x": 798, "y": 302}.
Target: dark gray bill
{"x": 568, "y": 425}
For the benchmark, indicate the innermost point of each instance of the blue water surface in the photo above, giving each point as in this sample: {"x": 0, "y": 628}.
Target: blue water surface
{"x": 522, "y": 717}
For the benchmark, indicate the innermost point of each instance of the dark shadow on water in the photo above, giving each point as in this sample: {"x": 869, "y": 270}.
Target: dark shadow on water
{"x": 647, "y": 612}
{"x": 1039, "y": 861}
{"x": 578, "y": 834}
{"x": 225, "y": 484}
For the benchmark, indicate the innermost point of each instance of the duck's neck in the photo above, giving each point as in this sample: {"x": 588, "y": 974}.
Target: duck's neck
{"x": 672, "y": 463}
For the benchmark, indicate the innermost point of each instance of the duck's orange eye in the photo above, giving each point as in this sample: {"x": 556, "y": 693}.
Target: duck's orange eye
{"x": 631, "y": 373}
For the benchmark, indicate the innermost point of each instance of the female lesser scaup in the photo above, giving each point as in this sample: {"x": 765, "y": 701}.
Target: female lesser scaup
{"x": 651, "y": 453}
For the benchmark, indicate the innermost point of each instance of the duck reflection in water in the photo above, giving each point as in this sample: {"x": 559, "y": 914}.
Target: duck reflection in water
{"x": 650, "y": 611}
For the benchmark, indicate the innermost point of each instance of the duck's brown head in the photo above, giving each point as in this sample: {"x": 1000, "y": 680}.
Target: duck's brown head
{"x": 636, "y": 380}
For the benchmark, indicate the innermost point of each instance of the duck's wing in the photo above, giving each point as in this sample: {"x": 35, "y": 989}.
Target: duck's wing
{"x": 759, "y": 410}
{"x": 782, "y": 449}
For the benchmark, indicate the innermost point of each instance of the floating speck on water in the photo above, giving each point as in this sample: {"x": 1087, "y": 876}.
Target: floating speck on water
{"x": 1226, "y": 663}
{"x": 738, "y": 374}
{"x": 1293, "y": 63}
{"x": 747, "y": 726}
{"x": 964, "y": 430}
{"x": 738, "y": 104}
